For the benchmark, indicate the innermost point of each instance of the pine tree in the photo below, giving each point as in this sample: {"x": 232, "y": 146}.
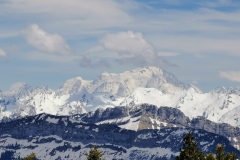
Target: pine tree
{"x": 31, "y": 156}
{"x": 210, "y": 156}
{"x": 220, "y": 152}
{"x": 234, "y": 156}
{"x": 221, "y": 156}
{"x": 190, "y": 150}
{"x": 94, "y": 154}
{"x": 228, "y": 156}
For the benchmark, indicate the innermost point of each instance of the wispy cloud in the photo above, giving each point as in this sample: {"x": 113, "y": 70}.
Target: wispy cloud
{"x": 96, "y": 8}
{"x": 197, "y": 31}
{"x": 62, "y": 13}
{"x": 230, "y": 75}
{"x": 218, "y": 3}
{"x": 200, "y": 3}
{"x": 2, "y": 53}
{"x": 50, "y": 43}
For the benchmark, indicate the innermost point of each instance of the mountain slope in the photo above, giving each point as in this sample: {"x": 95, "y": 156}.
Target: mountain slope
{"x": 59, "y": 137}
{"x": 147, "y": 116}
{"x": 125, "y": 83}
{"x": 216, "y": 106}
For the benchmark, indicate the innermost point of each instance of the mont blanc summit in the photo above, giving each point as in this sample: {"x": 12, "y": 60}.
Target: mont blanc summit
{"x": 148, "y": 85}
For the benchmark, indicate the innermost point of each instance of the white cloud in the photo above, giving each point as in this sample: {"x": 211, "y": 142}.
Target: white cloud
{"x": 230, "y": 75}
{"x": 70, "y": 18}
{"x": 133, "y": 48}
{"x": 175, "y": 30}
{"x": 129, "y": 44}
{"x": 2, "y": 53}
{"x": 51, "y": 43}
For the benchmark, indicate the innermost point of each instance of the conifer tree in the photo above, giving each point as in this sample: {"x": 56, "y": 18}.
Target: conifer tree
{"x": 210, "y": 156}
{"x": 94, "y": 154}
{"x": 190, "y": 150}
{"x": 31, "y": 156}
{"x": 220, "y": 152}
{"x": 228, "y": 156}
{"x": 221, "y": 156}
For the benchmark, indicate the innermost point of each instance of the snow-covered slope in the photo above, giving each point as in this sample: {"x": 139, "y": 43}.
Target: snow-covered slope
{"x": 74, "y": 85}
{"x": 125, "y": 83}
{"x": 217, "y": 105}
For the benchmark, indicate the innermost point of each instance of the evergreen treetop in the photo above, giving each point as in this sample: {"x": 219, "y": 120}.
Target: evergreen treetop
{"x": 191, "y": 152}
{"x": 94, "y": 154}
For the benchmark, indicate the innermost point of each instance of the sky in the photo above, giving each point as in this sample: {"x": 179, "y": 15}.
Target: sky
{"x": 44, "y": 43}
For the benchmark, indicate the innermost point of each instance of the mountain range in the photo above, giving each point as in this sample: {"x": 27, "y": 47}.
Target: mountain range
{"x": 62, "y": 137}
{"x": 139, "y": 114}
{"x": 142, "y": 85}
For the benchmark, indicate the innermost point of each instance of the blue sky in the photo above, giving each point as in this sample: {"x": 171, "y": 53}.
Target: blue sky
{"x": 46, "y": 42}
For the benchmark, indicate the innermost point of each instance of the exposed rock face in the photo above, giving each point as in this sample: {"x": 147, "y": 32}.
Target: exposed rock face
{"x": 103, "y": 114}
{"x": 232, "y": 133}
{"x": 166, "y": 114}
{"x": 58, "y": 137}
{"x": 151, "y": 117}
{"x": 218, "y": 128}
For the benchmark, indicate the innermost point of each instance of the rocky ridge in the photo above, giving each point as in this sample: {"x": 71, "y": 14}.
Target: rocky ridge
{"x": 61, "y": 137}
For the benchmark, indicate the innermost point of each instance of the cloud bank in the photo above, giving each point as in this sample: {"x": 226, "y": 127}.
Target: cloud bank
{"x": 43, "y": 41}
{"x": 133, "y": 48}
{"x": 230, "y": 75}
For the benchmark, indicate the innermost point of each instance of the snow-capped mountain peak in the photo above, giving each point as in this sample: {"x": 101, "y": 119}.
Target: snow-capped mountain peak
{"x": 142, "y": 85}
{"x": 73, "y": 85}
{"x": 125, "y": 83}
